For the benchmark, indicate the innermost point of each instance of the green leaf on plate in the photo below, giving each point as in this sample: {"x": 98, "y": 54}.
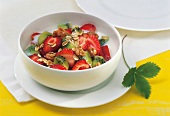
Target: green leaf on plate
{"x": 142, "y": 85}
{"x": 137, "y": 76}
{"x": 148, "y": 70}
{"x": 129, "y": 78}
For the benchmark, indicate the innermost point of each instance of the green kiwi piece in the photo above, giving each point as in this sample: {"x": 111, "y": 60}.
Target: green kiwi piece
{"x": 103, "y": 40}
{"x": 87, "y": 57}
{"x": 62, "y": 61}
{"x": 98, "y": 60}
{"x": 65, "y": 25}
{"x": 77, "y": 30}
{"x": 69, "y": 45}
{"x": 43, "y": 36}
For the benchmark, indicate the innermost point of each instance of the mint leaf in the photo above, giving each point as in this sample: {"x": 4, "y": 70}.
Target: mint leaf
{"x": 129, "y": 78}
{"x": 142, "y": 85}
{"x": 31, "y": 50}
{"x": 137, "y": 76}
{"x": 148, "y": 70}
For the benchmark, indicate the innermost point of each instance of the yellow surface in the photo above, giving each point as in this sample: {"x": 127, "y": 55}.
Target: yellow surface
{"x": 130, "y": 104}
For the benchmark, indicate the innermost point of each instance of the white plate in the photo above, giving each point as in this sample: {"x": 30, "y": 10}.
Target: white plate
{"x": 104, "y": 93}
{"x": 141, "y": 15}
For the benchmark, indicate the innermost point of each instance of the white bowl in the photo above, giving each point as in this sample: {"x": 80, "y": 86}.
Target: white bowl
{"x": 64, "y": 79}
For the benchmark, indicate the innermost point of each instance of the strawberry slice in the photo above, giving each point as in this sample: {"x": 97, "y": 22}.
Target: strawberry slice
{"x": 105, "y": 52}
{"x": 94, "y": 43}
{"x": 90, "y": 42}
{"x": 101, "y": 52}
{"x": 81, "y": 65}
{"x": 35, "y": 58}
{"x": 68, "y": 54}
{"x": 68, "y": 31}
{"x": 34, "y": 38}
{"x": 88, "y": 27}
{"x": 51, "y": 44}
{"x": 83, "y": 42}
{"x": 34, "y": 34}
{"x": 58, "y": 66}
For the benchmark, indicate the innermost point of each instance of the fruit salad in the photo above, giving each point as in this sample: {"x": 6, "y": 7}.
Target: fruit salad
{"x": 69, "y": 47}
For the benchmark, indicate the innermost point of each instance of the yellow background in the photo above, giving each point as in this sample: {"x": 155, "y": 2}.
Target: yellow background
{"x": 130, "y": 104}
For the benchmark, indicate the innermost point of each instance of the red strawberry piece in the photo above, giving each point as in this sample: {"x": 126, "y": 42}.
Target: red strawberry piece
{"x": 69, "y": 31}
{"x": 41, "y": 51}
{"x": 83, "y": 42}
{"x": 88, "y": 27}
{"x": 35, "y": 58}
{"x": 58, "y": 66}
{"x": 93, "y": 42}
{"x": 106, "y": 53}
{"x": 89, "y": 42}
{"x": 34, "y": 34}
{"x": 81, "y": 65}
{"x": 101, "y": 52}
{"x": 51, "y": 44}
{"x": 68, "y": 54}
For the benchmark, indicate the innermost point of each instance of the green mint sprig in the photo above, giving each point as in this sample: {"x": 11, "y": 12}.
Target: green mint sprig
{"x": 137, "y": 76}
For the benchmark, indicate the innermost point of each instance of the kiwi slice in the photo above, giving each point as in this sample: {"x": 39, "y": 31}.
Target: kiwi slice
{"x": 77, "y": 30}
{"x": 65, "y": 26}
{"x": 43, "y": 36}
{"x": 98, "y": 60}
{"x": 62, "y": 61}
{"x": 103, "y": 40}
{"x": 69, "y": 45}
{"x": 87, "y": 57}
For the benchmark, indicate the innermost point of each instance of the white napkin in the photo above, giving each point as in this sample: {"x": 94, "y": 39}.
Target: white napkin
{"x": 14, "y": 15}
{"x": 7, "y": 73}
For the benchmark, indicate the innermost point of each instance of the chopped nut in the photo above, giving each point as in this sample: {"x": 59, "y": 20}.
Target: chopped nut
{"x": 74, "y": 34}
{"x": 93, "y": 51}
{"x": 64, "y": 43}
{"x": 68, "y": 37}
{"x": 78, "y": 51}
{"x": 40, "y": 59}
{"x": 76, "y": 38}
{"x": 79, "y": 33}
{"x": 41, "y": 45}
{"x": 47, "y": 62}
{"x": 75, "y": 57}
{"x": 60, "y": 33}
{"x": 37, "y": 48}
{"x": 39, "y": 55}
{"x": 50, "y": 55}
{"x": 98, "y": 64}
{"x": 74, "y": 49}
{"x": 59, "y": 50}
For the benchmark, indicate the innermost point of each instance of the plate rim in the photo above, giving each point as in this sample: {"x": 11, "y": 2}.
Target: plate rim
{"x": 47, "y": 101}
{"x": 123, "y": 27}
